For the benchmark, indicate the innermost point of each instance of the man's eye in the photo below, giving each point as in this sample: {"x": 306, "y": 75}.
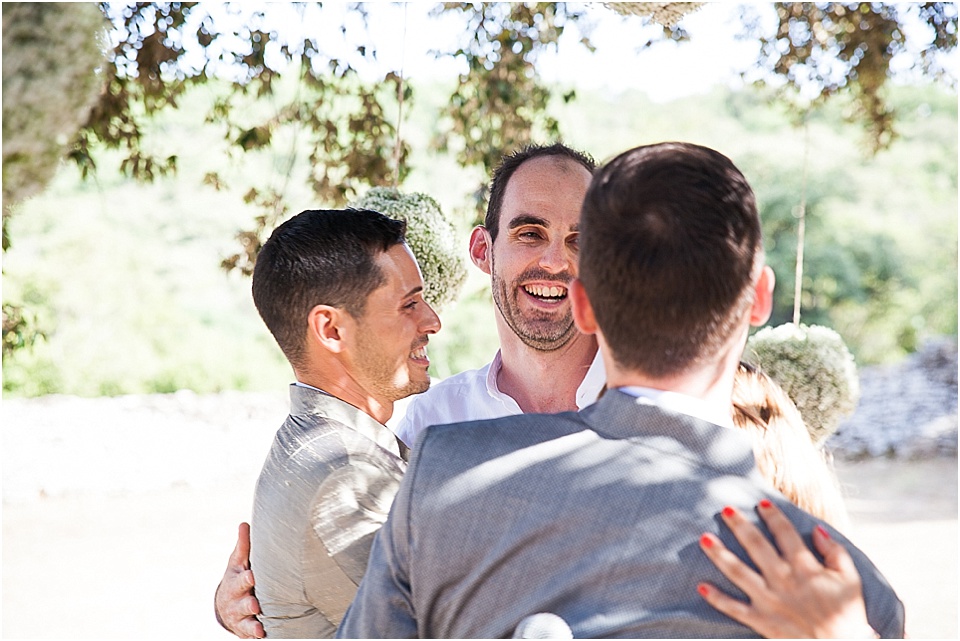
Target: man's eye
{"x": 411, "y": 304}
{"x": 529, "y": 235}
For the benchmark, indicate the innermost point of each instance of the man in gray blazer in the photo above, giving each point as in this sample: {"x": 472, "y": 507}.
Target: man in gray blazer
{"x": 594, "y": 515}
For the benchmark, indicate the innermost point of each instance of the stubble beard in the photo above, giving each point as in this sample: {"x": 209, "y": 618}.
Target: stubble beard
{"x": 547, "y": 333}
{"x": 381, "y": 374}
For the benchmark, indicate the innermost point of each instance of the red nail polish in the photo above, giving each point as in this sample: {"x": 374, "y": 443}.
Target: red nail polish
{"x": 728, "y": 511}
{"x": 823, "y": 531}
{"x": 706, "y": 541}
{"x": 703, "y": 589}
{"x": 766, "y": 504}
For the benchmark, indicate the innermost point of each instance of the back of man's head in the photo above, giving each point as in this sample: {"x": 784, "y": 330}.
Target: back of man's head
{"x": 319, "y": 257}
{"x": 509, "y": 165}
{"x": 670, "y": 245}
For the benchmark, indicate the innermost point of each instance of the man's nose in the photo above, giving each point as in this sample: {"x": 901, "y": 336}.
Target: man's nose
{"x": 556, "y": 258}
{"x": 430, "y": 323}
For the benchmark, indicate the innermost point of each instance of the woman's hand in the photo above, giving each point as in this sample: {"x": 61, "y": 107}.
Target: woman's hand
{"x": 794, "y": 596}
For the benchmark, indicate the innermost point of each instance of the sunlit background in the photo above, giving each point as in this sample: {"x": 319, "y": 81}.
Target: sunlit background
{"x": 143, "y": 393}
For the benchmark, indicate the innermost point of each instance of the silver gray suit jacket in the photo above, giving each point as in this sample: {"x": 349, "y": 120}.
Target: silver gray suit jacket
{"x": 325, "y": 489}
{"x": 594, "y": 516}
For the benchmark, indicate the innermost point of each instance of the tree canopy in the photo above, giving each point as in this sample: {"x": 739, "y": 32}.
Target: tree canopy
{"x": 155, "y": 52}
{"x": 158, "y": 50}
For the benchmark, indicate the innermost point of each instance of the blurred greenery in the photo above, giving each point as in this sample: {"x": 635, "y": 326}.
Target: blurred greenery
{"x": 125, "y": 284}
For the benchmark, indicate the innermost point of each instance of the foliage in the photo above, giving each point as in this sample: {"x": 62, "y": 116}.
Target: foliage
{"x": 18, "y": 331}
{"x": 860, "y": 266}
{"x": 349, "y": 134}
{"x": 864, "y": 242}
{"x": 132, "y": 303}
{"x": 161, "y": 49}
{"x": 326, "y": 128}
{"x": 814, "y": 367}
{"x": 124, "y": 285}
{"x": 499, "y": 103}
{"x": 826, "y": 47}
{"x": 430, "y": 236}
{"x": 50, "y": 53}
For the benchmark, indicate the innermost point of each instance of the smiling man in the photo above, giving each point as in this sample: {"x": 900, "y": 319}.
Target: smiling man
{"x": 343, "y": 297}
{"x": 529, "y": 245}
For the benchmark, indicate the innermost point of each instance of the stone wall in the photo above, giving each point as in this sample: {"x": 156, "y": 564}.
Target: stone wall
{"x": 906, "y": 410}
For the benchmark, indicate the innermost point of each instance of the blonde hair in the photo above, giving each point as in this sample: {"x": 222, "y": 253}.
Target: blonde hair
{"x": 783, "y": 449}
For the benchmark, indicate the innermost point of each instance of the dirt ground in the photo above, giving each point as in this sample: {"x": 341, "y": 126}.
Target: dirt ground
{"x": 93, "y": 549}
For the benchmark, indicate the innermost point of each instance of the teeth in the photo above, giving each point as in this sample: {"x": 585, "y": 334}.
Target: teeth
{"x": 420, "y": 352}
{"x": 546, "y": 292}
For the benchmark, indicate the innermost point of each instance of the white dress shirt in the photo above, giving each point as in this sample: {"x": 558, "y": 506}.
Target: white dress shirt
{"x": 473, "y": 395}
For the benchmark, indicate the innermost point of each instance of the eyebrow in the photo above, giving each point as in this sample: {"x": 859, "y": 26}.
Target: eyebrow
{"x": 415, "y": 290}
{"x": 520, "y": 221}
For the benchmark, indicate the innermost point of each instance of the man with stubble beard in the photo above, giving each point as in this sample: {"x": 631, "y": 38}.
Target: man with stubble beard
{"x": 529, "y": 246}
{"x": 343, "y": 296}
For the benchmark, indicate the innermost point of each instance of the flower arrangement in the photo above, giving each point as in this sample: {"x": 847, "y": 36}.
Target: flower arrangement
{"x": 667, "y": 14}
{"x": 50, "y": 84}
{"x": 431, "y": 238}
{"x": 814, "y": 367}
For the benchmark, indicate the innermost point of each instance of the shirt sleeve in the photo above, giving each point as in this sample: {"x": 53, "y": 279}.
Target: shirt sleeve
{"x": 350, "y": 506}
{"x": 383, "y": 607}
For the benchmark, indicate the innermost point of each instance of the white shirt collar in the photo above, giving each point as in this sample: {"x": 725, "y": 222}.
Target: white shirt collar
{"x": 493, "y": 370}
{"x": 587, "y": 391}
{"x": 681, "y": 403}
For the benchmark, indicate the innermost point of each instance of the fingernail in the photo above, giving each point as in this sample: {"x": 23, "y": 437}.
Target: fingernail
{"x": 728, "y": 511}
{"x": 703, "y": 589}
{"x": 823, "y": 531}
{"x": 766, "y": 504}
{"x": 706, "y": 541}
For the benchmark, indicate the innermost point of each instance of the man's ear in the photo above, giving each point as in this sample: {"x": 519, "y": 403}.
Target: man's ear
{"x": 481, "y": 247}
{"x": 763, "y": 297}
{"x": 581, "y": 308}
{"x": 325, "y": 325}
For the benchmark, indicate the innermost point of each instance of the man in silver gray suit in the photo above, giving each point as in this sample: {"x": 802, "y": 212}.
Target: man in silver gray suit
{"x": 595, "y": 515}
{"x": 343, "y": 297}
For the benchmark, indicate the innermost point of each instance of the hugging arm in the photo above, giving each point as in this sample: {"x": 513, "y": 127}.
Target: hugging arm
{"x": 235, "y": 605}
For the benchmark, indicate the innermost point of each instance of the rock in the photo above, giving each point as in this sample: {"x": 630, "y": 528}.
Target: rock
{"x": 906, "y": 410}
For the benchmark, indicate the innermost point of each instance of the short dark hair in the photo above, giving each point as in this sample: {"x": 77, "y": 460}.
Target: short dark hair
{"x": 319, "y": 257}
{"x": 511, "y": 162}
{"x": 670, "y": 243}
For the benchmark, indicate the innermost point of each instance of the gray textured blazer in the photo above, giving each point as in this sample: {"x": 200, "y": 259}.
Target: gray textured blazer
{"x": 594, "y": 516}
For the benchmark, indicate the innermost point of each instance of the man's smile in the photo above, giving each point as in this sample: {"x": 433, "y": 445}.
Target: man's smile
{"x": 548, "y": 293}
{"x": 419, "y": 355}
